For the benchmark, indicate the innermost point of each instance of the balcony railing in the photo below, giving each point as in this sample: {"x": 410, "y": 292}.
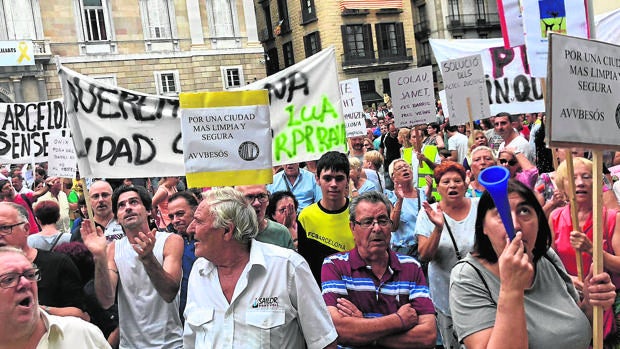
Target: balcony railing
{"x": 473, "y": 21}
{"x": 422, "y": 29}
{"x": 379, "y": 57}
{"x": 42, "y": 49}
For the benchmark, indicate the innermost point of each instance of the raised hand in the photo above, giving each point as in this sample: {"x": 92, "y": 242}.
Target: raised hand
{"x": 94, "y": 239}
{"x": 144, "y": 243}
{"x": 435, "y": 216}
{"x": 516, "y": 271}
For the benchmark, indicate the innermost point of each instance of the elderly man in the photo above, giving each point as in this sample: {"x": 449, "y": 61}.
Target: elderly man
{"x": 24, "y": 324}
{"x": 300, "y": 182}
{"x": 268, "y": 231}
{"x": 145, "y": 266}
{"x": 60, "y": 288}
{"x": 56, "y": 194}
{"x": 243, "y": 293}
{"x": 101, "y": 203}
{"x": 376, "y": 296}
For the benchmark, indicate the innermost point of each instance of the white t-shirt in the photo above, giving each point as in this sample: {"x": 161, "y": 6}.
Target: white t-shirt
{"x": 521, "y": 144}
{"x": 459, "y": 142}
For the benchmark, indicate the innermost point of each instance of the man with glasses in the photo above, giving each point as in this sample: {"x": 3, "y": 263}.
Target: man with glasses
{"x": 143, "y": 269}
{"x": 323, "y": 227}
{"x": 268, "y": 231}
{"x": 60, "y": 289}
{"x": 396, "y": 310}
{"x": 100, "y": 194}
{"x": 24, "y": 324}
{"x": 243, "y": 293}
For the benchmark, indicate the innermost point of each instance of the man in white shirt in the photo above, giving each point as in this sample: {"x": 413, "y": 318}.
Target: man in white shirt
{"x": 457, "y": 144}
{"x": 512, "y": 139}
{"x": 243, "y": 293}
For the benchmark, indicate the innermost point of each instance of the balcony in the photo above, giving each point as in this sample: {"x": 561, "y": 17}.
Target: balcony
{"x": 422, "y": 30}
{"x": 42, "y": 50}
{"x": 473, "y": 21}
{"x": 399, "y": 57}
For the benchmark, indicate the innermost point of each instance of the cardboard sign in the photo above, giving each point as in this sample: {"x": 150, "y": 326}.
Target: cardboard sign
{"x": 62, "y": 160}
{"x": 584, "y": 90}
{"x": 352, "y": 108}
{"x": 226, "y": 138}
{"x": 466, "y": 91}
{"x": 413, "y": 96}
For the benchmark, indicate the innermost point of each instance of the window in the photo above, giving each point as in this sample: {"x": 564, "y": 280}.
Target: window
{"x": 357, "y": 41}
{"x": 308, "y": 12}
{"x": 390, "y": 39}
{"x": 167, "y": 82}
{"x": 386, "y": 86}
{"x": 285, "y": 26}
{"x": 422, "y": 13}
{"x": 105, "y": 79}
{"x": 312, "y": 43}
{"x": 156, "y": 15}
{"x": 20, "y": 19}
{"x": 481, "y": 9}
{"x": 94, "y": 20}
{"x": 221, "y": 18}
{"x": 232, "y": 76}
{"x": 454, "y": 8}
{"x": 273, "y": 62}
{"x": 287, "y": 52}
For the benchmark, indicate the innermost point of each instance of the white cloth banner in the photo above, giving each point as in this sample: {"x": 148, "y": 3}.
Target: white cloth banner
{"x": 509, "y": 85}
{"x": 305, "y": 108}
{"x": 352, "y": 108}
{"x": 608, "y": 27}
{"x": 543, "y": 16}
{"x": 26, "y": 129}
{"x": 119, "y": 133}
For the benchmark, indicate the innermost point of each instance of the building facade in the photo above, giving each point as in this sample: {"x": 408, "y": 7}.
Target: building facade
{"x": 151, "y": 46}
{"x": 368, "y": 43}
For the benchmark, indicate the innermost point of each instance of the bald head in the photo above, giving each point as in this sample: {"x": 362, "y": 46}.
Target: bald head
{"x": 101, "y": 201}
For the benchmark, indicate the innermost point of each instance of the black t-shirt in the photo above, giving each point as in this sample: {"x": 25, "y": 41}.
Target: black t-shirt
{"x": 391, "y": 148}
{"x": 60, "y": 285}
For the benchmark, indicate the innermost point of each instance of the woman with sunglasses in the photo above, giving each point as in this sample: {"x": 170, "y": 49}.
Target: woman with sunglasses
{"x": 519, "y": 166}
{"x": 444, "y": 233}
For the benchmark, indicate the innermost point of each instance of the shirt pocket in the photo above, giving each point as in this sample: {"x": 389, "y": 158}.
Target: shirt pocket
{"x": 263, "y": 327}
{"x": 201, "y": 323}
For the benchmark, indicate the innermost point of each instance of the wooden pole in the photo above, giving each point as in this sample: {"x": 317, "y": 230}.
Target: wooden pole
{"x": 597, "y": 241}
{"x": 573, "y": 208}
{"x": 471, "y": 122}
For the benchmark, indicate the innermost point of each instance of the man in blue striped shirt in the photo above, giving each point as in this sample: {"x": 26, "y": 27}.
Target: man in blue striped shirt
{"x": 374, "y": 295}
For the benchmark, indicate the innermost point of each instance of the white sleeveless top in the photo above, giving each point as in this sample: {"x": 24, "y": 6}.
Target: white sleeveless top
{"x": 145, "y": 319}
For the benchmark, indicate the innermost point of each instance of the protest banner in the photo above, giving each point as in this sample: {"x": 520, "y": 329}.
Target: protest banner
{"x": 608, "y": 27}
{"x": 587, "y": 71}
{"x": 352, "y": 108}
{"x": 232, "y": 130}
{"x": 27, "y": 128}
{"x": 510, "y": 87}
{"x": 62, "y": 160}
{"x": 413, "y": 96}
{"x": 466, "y": 92}
{"x": 543, "y": 16}
{"x": 119, "y": 133}
{"x": 305, "y": 109}
{"x": 511, "y": 22}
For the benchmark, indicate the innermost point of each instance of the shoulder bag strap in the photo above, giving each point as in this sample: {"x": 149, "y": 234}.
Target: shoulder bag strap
{"x": 484, "y": 281}
{"x": 456, "y": 248}
{"x": 56, "y": 241}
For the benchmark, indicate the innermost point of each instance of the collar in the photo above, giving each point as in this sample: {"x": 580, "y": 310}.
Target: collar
{"x": 356, "y": 261}
{"x": 257, "y": 258}
{"x": 52, "y": 327}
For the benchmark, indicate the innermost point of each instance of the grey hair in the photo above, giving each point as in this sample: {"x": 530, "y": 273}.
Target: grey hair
{"x": 372, "y": 197}
{"x": 229, "y": 206}
{"x": 11, "y": 249}
{"x": 21, "y": 210}
{"x": 480, "y": 148}
{"x": 391, "y": 166}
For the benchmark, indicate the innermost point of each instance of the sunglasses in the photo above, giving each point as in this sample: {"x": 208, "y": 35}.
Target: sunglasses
{"x": 510, "y": 162}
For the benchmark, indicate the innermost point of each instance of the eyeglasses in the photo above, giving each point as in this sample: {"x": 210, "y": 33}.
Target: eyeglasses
{"x": 8, "y": 229}
{"x": 262, "y": 198}
{"x": 369, "y": 222}
{"x": 402, "y": 167}
{"x": 10, "y": 280}
{"x": 510, "y": 162}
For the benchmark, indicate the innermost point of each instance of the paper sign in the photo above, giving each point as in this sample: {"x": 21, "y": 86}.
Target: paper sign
{"x": 511, "y": 22}
{"x": 62, "y": 160}
{"x": 226, "y": 138}
{"x": 585, "y": 93}
{"x": 466, "y": 91}
{"x": 352, "y": 108}
{"x": 413, "y": 96}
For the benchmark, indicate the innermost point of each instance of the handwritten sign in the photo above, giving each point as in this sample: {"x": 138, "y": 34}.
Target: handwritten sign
{"x": 352, "y": 108}
{"x": 62, "y": 161}
{"x": 585, "y": 92}
{"x": 226, "y": 138}
{"x": 119, "y": 133}
{"x": 305, "y": 109}
{"x": 413, "y": 96}
{"x": 510, "y": 87}
{"x": 466, "y": 91}
{"x": 26, "y": 129}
